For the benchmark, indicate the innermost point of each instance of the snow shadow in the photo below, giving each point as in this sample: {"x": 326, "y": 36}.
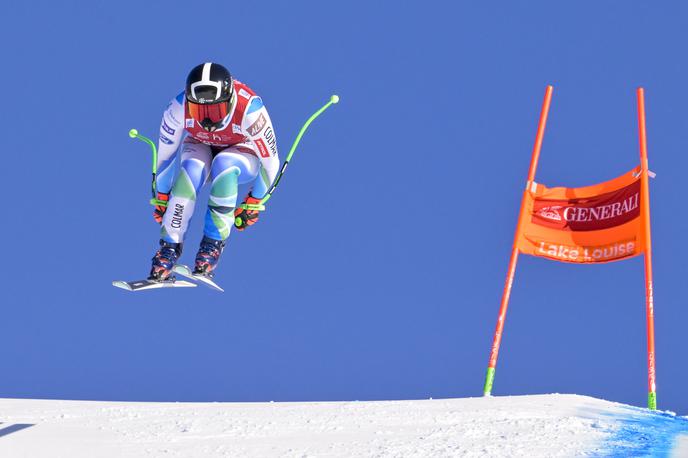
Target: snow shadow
{"x": 13, "y": 428}
{"x": 644, "y": 433}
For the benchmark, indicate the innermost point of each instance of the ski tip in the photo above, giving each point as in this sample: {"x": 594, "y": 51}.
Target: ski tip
{"x": 121, "y": 284}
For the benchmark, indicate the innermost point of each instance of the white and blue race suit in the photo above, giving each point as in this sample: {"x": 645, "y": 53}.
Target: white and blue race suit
{"x": 242, "y": 151}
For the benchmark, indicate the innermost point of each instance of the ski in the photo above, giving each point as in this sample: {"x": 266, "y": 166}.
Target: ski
{"x": 140, "y": 285}
{"x": 185, "y": 271}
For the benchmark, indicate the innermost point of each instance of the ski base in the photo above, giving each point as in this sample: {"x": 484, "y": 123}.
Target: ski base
{"x": 185, "y": 271}
{"x": 140, "y": 285}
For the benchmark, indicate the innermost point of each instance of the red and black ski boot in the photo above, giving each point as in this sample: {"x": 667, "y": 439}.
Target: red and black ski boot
{"x": 164, "y": 260}
{"x": 208, "y": 256}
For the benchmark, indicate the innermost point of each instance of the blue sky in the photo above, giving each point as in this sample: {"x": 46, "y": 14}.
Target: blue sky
{"x": 377, "y": 270}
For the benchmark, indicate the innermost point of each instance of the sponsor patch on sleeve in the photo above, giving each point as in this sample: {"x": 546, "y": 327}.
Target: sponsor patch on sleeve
{"x": 167, "y": 128}
{"x": 255, "y": 128}
{"x": 262, "y": 148}
{"x": 255, "y": 105}
{"x": 269, "y": 136}
{"x": 189, "y": 123}
{"x": 244, "y": 93}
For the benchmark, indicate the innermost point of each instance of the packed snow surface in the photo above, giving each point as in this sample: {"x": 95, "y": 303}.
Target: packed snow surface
{"x": 524, "y": 426}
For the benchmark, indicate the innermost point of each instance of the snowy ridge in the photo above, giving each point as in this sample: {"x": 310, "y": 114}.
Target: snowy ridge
{"x": 528, "y": 426}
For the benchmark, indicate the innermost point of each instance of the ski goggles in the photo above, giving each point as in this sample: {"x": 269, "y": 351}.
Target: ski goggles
{"x": 209, "y": 116}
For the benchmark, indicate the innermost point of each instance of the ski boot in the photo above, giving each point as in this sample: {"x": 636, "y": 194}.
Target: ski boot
{"x": 164, "y": 260}
{"x": 208, "y": 256}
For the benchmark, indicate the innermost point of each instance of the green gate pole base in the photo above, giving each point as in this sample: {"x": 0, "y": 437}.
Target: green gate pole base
{"x": 489, "y": 380}
{"x": 652, "y": 400}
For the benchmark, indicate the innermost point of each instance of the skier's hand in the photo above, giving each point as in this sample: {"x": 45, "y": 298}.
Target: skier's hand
{"x": 244, "y": 218}
{"x": 159, "y": 210}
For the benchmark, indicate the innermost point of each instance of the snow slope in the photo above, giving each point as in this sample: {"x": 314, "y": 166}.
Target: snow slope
{"x": 528, "y": 426}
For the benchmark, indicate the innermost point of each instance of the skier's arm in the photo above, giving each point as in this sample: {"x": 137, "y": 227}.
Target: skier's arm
{"x": 171, "y": 133}
{"x": 258, "y": 128}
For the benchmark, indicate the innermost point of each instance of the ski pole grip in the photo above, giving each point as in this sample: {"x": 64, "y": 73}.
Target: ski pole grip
{"x": 162, "y": 203}
{"x": 258, "y": 207}
{"x": 238, "y": 222}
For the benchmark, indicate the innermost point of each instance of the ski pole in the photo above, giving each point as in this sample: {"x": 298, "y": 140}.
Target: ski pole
{"x": 261, "y": 205}
{"x": 133, "y": 133}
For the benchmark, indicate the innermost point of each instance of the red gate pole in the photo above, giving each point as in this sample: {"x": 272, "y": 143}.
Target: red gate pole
{"x": 649, "y": 294}
{"x": 489, "y": 378}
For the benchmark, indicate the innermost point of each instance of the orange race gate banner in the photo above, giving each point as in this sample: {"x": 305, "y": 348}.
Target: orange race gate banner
{"x": 606, "y": 222}
{"x": 599, "y": 223}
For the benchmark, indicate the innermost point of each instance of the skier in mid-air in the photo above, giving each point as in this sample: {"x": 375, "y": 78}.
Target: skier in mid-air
{"x": 223, "y": 134}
